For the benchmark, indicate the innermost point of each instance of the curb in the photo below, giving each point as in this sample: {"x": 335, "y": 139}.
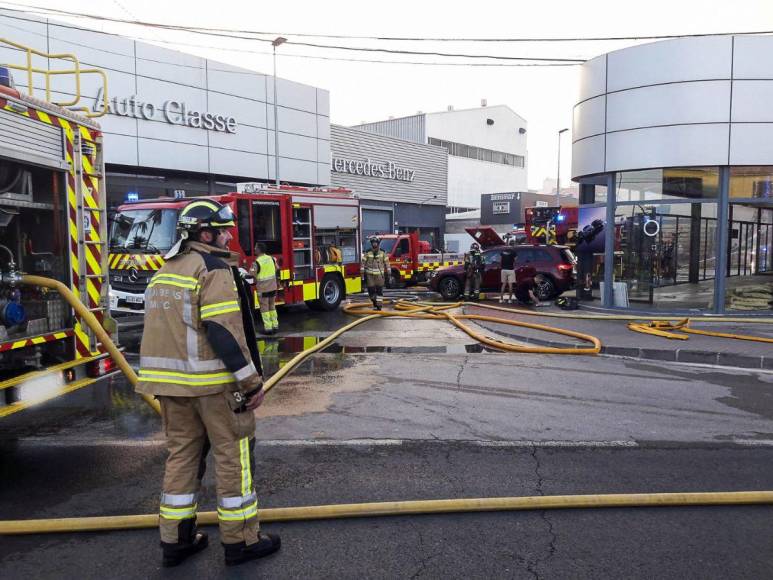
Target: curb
{"x": 723, "y": 359}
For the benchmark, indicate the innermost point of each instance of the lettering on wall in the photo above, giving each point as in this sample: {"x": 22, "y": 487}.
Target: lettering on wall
{"x": 368, "y": 168}
{"x": 171, "y": 111}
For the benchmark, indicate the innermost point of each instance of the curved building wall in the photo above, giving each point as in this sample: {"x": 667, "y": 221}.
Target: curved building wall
{"x": 677, "y": 103}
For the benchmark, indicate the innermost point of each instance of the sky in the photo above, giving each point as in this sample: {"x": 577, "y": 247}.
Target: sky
{"x": 370, "y": 91}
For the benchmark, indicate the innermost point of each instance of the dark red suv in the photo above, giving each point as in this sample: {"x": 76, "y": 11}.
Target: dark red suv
{"x": 551, "y": 267}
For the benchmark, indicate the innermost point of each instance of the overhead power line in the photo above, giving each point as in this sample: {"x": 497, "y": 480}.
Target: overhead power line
{"x": 408, "y": 38}
{"x": 284, "y": 55}
{"x": 198, "y": 30}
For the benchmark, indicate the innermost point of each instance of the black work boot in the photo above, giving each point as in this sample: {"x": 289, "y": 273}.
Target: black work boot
{"x": 240, "y": 553}
{"x": 192, "y": 541}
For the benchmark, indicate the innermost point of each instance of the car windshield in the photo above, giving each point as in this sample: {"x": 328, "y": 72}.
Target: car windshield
{"x": 492, "y": 257}
{"x": 145, "y": 230}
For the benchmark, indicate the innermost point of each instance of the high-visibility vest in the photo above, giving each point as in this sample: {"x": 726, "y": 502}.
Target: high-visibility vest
{"x": 267, "y": 268}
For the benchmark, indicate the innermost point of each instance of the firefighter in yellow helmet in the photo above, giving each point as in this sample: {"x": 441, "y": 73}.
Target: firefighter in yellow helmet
{"x": 199, "y": 358}
{"x": 375, "y": 267}
{"x": 265, "y": 271}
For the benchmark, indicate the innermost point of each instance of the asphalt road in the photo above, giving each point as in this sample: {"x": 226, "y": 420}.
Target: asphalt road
{"x": 406, "y": 424}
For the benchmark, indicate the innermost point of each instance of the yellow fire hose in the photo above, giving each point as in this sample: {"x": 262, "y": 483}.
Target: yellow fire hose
{"x": 105, "y": 523}
{"x": 681, "y": 328}
{"x": 440, "y": 312}
{"x": 403, "y": 508}
{"x": 91, "y": 321}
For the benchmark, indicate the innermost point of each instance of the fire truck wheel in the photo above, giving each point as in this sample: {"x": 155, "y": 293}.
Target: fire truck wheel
{"x": 450, "y": 288}
{"x": 331, "y": 292}
{"x": 544, "y": 287}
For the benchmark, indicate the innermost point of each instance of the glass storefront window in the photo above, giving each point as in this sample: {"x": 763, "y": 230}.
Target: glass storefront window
{"x": 750, "y": 258}
{"x": 593, "y": 190}
{"x": 664, "y": 184}
{"x": 751, "y": 182}
{"x": 666, "y": 254}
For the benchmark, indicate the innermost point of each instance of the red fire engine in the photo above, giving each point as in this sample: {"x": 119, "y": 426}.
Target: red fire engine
{"x": 551, "y": 225}
{"x": 412, "y": 260}
{"x": 313, "y": 233}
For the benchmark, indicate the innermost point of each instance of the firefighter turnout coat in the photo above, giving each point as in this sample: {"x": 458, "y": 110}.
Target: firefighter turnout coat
{"x": 194, "y": 342}
{"x": 375, "y": 265}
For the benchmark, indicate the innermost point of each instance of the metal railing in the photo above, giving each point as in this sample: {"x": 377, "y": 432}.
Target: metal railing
{"x": 76, "y": 71}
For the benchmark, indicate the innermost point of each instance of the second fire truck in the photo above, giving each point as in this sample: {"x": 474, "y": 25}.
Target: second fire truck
{"x": 313, "y": 233}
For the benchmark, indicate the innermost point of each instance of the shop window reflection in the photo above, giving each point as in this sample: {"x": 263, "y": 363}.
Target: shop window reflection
{"x": 750, "y": 258}
{"x": 666, "y": 254}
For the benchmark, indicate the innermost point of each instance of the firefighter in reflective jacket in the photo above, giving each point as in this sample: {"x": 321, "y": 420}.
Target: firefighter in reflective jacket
{"x": 265, "y": 271}
{"x": 196, "y": 360}
{"x": 473, "y": 272}
{"x": 375, "y": 266}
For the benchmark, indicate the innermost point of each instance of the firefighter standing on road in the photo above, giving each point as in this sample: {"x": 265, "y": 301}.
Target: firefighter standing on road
{"x": 473, "y": 272}
{"x": 375, "y": 265}
{"x": 196, "y": 360}
{"x": 265, "y": 271}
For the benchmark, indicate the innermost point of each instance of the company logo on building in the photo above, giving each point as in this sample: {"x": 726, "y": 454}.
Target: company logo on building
{"x": 505, "y": 196}
{"x": 368, "y": 168}
{"x": 171, "y": 111}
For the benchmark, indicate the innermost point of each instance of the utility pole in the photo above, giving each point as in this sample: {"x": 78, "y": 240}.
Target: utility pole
{"x": 558, "y": 172}
{"x": 279, "y": 40}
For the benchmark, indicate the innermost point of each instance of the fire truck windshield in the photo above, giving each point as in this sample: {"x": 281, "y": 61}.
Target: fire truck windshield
{"x": 144, "y": 230}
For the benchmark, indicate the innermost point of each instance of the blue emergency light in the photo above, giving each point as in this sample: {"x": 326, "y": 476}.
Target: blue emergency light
{"x": 132, "y": 196}
{"x": 560, "y": 217}
{"x": 6, "y": 80}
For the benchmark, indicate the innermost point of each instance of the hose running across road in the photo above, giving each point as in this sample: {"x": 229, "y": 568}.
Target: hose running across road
{"x": 376, "y": 509}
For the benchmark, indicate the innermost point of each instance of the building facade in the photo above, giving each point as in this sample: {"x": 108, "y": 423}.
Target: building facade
{"x": 486, "y": 148}
{"x": 402, "y": 185}
{"x": 181, "y": 123}
{"x": 675, "y": 165}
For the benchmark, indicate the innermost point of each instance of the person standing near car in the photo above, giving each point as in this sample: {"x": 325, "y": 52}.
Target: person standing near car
{"x": 473, "y": 272}
{"x": 375, "y": 266}
{"x": 508, "y": 273}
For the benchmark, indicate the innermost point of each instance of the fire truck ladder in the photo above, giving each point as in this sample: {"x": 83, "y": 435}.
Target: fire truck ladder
{"x": 87, "y": 216}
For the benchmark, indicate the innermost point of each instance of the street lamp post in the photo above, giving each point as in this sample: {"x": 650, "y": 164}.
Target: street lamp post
{"x": 279, "y": 40}
{"x": 558, "y": 172}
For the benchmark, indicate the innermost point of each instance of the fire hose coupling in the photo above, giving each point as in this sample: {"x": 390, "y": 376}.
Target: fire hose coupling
{"x": 13, "y": 278}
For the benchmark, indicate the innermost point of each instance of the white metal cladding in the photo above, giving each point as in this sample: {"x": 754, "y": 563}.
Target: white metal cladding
{"x": 430, "y": 164}
{"x": 684, "y": 102}
{"x": 155, "y": 75}
{"x": 30, "y": 135}
{"x": 413, "y": 128}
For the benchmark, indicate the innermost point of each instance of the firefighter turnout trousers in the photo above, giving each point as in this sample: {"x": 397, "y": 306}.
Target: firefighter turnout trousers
{"x": 193, "y": 425}
{"x": 472, "y": 284}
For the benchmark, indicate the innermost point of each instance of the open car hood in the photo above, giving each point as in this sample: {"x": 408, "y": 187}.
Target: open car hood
{"x": 485, "y": 236}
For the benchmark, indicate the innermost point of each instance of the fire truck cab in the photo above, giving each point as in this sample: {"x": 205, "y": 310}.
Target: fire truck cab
{"x": 313, "y": 233}
{"x": 412, "y": 260}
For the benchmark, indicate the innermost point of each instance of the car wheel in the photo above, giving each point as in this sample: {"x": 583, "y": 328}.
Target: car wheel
{"x": 544, "y": 287}
{"x": 450, "y": 288}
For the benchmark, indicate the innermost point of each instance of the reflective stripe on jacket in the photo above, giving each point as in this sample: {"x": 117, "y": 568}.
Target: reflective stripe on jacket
{"x": 193, "y": 342}
{"x": 375, "y": 263}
